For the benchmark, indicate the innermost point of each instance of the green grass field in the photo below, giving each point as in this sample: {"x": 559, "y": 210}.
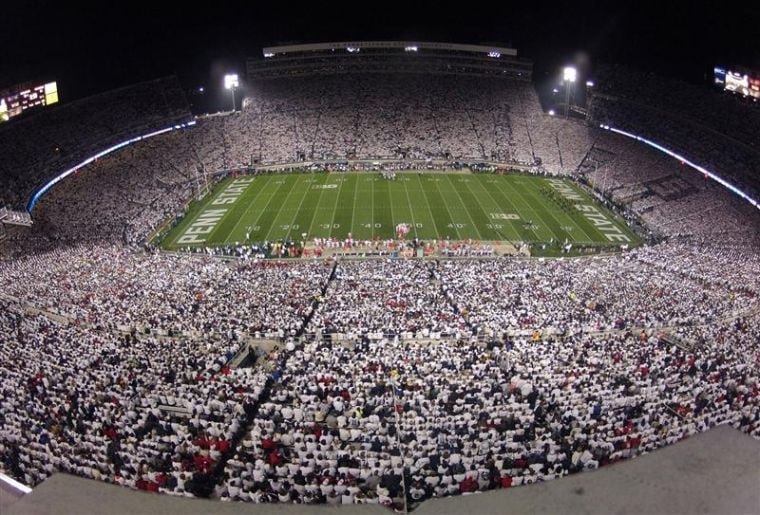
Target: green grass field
{"x": 457, "y": 206}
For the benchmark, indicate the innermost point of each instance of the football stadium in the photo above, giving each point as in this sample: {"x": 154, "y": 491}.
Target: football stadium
{"x": 392, "y": 274}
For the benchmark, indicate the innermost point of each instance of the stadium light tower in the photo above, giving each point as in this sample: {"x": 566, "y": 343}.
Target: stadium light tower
{"x": 231, "y": 82}
{"x": 569, "y": 75}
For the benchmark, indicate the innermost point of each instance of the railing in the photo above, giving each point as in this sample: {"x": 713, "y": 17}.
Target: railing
{"x": 15, "y": 486}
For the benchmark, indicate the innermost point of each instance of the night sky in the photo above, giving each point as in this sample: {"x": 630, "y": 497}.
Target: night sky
{"x": 93, "y": 47}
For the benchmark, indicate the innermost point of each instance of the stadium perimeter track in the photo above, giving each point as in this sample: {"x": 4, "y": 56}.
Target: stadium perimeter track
{"x": 713, "y": 472}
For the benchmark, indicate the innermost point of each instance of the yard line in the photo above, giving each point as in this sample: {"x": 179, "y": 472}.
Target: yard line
{"x": 576, "y": 223}
{"x": 286, "y": 202}
{"x": 559, "y": 224}
{"x": 548, "y": 211}
{"x": 295, "y": 215}
{"x": 269, "y": 202}
{"x": 309, "y": 234}
{"x": 390, "y": 203}
{"x": 472, "y": 220}
{"x": 529, "y": 195}
{"x": 362, "y": 208}
{"x": 430, "y": 210}
{"x": 527, "y": 205}
{"x": 372, "y": 209}
{"x": 496, "y": 204}
{"x": 411, "y": 209}
{"x": 250, "y": 205}
{"x": 512, "y": 206}
{"x": 453, "y": 222}
{"x": 343, "y": 179}
{"x": 353, "y": 207}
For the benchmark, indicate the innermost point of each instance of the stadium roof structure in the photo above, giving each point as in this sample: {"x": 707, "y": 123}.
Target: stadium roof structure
{"x": 388, "y": 57}
{"x": 409, "y": 46}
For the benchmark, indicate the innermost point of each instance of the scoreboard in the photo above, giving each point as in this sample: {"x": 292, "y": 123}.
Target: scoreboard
{"x": 16, "y": 100}
{"x": 745, "y": 83}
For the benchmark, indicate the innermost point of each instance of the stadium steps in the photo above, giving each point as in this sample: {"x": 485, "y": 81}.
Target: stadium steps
{"x": 240, "y": 356}
{"x": 277, "y": 369}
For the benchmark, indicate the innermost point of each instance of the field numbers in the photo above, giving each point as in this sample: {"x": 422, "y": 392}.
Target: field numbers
{"x": 370, "y": 226}
{"x": 456, "y": 226}
{"x": 289, "y": 227}
{"x": 504, "y": 216}
{"x": 330, "y": 226}
{"x": 495, "y": 226}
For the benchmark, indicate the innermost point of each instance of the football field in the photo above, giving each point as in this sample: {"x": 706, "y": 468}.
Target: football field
{"x": 364, "y": 205}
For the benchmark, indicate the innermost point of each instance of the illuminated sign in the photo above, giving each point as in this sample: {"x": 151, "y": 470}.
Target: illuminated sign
{"x": 685, "y": 161}
{"x": 44, "y": 189}
{"x": 745, "y": 83}
{"x": 18, "y": 99}
{"x": 754, "y": 87}
{"x": 51, "y": 93}
{"x": 737, "y": 83}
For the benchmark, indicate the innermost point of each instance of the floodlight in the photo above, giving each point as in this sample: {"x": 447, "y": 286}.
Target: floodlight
{"x": 569, "y": 75}
{"x": 589, "y": 83}
{"x": 231, "y": 81}
{"x": 551, "y": 112}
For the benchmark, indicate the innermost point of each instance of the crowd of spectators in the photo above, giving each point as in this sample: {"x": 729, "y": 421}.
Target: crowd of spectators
{"x": 384, "y": 419}
{"x": 588, "y": 295}
{"x": 131, "y": 409}
{"x": 36, "y": 148}
{"x": 407, "y": 117}
{"x": 718, "y": 110}
{"x": 393, "y": 380}
{"x": 384, "y": 296}
{"x": 108, "y": 286}
{"x": 413, "y": 378}
{"x": 397, "y": 118}
{"x": 704, "y": 125}
{"x": 300, "y": 119}
{"x": 670, "y": 198}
